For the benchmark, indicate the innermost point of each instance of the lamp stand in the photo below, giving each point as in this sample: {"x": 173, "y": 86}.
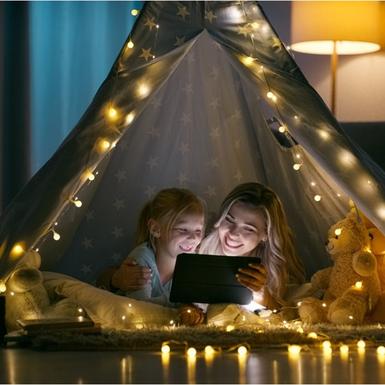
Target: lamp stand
{"x": 333, "y": 66}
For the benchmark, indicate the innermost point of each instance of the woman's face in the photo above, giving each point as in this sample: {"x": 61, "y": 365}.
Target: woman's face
{"x": 242, "y": 230}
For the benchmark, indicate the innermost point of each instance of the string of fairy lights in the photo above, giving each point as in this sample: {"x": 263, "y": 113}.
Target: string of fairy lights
{"x": 119, "y": 121}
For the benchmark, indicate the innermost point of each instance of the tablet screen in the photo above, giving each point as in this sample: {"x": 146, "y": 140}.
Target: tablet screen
{"x": 210, "y": 279}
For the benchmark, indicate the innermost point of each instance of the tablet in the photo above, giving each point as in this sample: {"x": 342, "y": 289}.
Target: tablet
{"x": 210, "y": 279}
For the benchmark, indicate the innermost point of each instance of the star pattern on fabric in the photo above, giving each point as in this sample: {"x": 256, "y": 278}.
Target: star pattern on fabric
{"x": 117, "y": 232}
{"x": 236, "y": 114}
{"x": 121, "y": 175}
{"x": 214, "y": 132}
{"x": 211, "y": 191}
{"x": 156, "y": 103}
{"x": 90, "y": 215}
{"x": 153, "y": 162}
{"x": 238, "y": 176}
{"x": 248, "y": 29}
{"x": 87, "y": 243}
{"x": 214, "y": 73}
{"x": 119, "y": 204}
{"x": 116, "y": 257}
{"x": 182, "y": 11}
{"x": 214, "y": 163}
{"x": 149, "y": 191}
{"x": 179, "y": 40}
{"x": 150, "y": 23}
{"x": 153, "y": 132}
{"x": 184, "y": 148}
{"x": 210, "y": 16}
{"x": 186, "y": 118}
{"x": 188, "y": 88}
{"x": 214, "y": 103}
{"x": 182, "y": 178}
{"x": 86, "y": 269}
{"x": 146, "y": 54}
{"x": 243, "y": 30}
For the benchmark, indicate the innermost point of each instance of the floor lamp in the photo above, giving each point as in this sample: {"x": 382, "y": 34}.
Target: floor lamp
{"x": 335, "y": 28}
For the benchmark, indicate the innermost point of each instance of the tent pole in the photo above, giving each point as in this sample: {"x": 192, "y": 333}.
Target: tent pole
{"x": 333, "y": 66}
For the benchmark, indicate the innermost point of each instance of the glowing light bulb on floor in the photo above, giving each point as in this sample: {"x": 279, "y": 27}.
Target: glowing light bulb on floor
{"x": 294, "y": 350}
{"x": 312, "y": 335}
{"x": 381, "y": 350}
{"x": 165, "y": 349}
{"x": 361, "y": 344}
{"x": 191, "y": 352}
{"x": 242, "y": 350}
{"x": 3, "y": 287}
{"x": 209, "y": 350}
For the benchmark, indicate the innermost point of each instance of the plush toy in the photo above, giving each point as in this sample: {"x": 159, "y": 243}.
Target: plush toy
{"x": 27, "y": 298}
{"x": 351, "y": 286}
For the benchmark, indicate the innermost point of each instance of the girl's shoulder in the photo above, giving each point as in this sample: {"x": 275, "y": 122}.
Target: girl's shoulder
{"x": 142, "y": 254}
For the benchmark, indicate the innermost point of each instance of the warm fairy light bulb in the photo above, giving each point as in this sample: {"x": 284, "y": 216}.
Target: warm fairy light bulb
{"x": 270, "y": 95}
{"x": 361, "y": 344}
{"x": 188, "y": 310}
{"x": 191, "y": 352}
{"x": 312, "y": 184}
{"x": 347, "y": 158}
{"x": 77, "y": 202}
{"x": 103, "y": 145}
{"x": 242, "y": 350}
{"x": 338, "y": 231}
{"x": 324, "y": 304}
{"x": 3, "y": 287}
{"x": 112, "y": 114}
{"x": 123, "y": 317}
{"x": 165, "y": 349}
{"x": 312, "y": 335}
{"x": 229, "y": 328}
{"x": 297, "y": 166}
{"x": 130, "y": 44}
{"x": 12, "y": 293}
{"x": 358, "y": 285}
{"x": 381, "y": 211}
{"x": 157, "y": 26}
{"x": 134, "y": 12}
{"x": 209, "y": 350}
{"x": 317, "y": 198}
{"x": 282, "y": 129}
{"x": 80, "y": 310}
{"x": 90, "y": 176}
{"x": 294, "y": 350}
{"x": 326, "y": 345}
{"x": 381, "y": 350}
{"x": 17, "y": 250}
{"x": 55, "y": 236}
{"x": 130, "y": 117}
{"x": 143, "y": 90}
{"x": 324, "y": 134}
{"x": 344, "y": 349}
{"x": 247, "y": 60}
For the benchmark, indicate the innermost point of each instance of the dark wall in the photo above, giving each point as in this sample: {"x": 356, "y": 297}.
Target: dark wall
{"x": 371, "y": 137}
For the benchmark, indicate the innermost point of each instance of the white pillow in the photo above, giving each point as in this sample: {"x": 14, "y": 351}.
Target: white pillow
{"x": 106, "y": 308}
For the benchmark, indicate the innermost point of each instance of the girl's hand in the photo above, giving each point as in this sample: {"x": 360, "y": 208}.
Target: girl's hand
{"x": 191, "y": 315}
{"x": 253, "y": 277}
{"x": 130, "y": 276}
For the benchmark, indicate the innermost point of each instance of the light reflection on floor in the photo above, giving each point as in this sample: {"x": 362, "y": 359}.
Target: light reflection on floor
{"x": 263, "y": 366}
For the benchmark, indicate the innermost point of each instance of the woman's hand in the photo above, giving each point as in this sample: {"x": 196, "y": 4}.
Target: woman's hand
{"x": 130, "y": 276}
{"x": 253, "y": 277}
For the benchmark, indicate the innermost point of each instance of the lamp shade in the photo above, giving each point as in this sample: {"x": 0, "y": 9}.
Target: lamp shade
{"x": 355, "y": 26}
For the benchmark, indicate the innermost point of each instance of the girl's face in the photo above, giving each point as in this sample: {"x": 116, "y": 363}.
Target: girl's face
{"x": 241, "y": 230}
{"x": 184, "y": 236}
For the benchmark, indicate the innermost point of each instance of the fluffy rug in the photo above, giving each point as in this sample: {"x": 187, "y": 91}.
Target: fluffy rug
{"x": 179, "y": 338}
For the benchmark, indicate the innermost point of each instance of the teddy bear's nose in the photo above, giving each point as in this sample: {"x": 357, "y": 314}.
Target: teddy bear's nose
{"x": 326, "y": 243}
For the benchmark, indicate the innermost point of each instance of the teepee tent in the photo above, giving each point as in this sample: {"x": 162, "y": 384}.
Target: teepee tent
{"x": 203, "y": 95}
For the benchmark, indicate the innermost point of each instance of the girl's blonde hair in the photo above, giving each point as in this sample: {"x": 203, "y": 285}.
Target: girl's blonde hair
{"x": 277, "y": 253}
{"x": 165, "y": 208}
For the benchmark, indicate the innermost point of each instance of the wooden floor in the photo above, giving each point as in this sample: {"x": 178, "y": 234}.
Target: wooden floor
{"x": 265, "y": 366}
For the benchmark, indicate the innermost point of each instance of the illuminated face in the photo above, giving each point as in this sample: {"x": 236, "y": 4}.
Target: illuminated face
{"x": 241, "y": 230}
{"x": 184, "y": 237}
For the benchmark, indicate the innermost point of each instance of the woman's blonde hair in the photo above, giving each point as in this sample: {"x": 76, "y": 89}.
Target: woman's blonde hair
{"x": 165, "y": 208}
{"x": 278, "y": 252}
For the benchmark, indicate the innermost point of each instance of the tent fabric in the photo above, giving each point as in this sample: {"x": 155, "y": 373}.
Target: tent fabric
{"x": 197, "y": 102}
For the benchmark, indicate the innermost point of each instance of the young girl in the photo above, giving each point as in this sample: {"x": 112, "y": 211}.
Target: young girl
{"x": 170, "y": 224}
{"x": 253, "y": 222}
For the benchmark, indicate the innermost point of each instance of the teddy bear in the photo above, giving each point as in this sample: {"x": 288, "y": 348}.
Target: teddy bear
{"x": 27, "y": 297}
{"x": 351, "y": 286}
